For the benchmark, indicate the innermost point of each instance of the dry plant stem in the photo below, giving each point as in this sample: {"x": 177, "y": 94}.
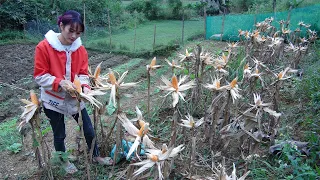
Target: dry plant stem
{"x": 50, "y": 174}
{"x": 80, "y": 122}
{"x": 297, "y": 60}
{"x": 184, "y": 134}
{"x": 95, "y": 119}
{"x": 36, "y": 149}
{"x": 252, "y": 85}
{"x": 215, "y": 118}
{"x": 174, "y": 127}
{"x": 173, "y": 137}
{"x": 104, "y": 140}
{"x": 227, "y": 110}
{"x": 78, "y": 142}
{"x": 130, "y": 171}
{"x": 118, "y": 133}
{"x": 148, "y": 108}
{"x": 276, "y": 96}
{"x": 274, "y": 130}
{"x": 193, "y": 151}
{"x": 247, "y": 47}
{"x": 42, "y": 144}
{"x": 206, "y": 126}
{"x": 196, "y": 90}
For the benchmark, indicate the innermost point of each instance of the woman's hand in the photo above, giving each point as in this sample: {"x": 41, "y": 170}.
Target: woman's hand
{"x": 67, "y": 85}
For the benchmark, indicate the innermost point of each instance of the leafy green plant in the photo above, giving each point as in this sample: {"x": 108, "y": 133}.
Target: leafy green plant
{"x": 15, "y": 147}
{"x": 8, "y": 134}
{"x": 293, "y": 163}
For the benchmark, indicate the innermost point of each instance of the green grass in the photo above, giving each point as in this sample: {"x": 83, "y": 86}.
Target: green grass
{"x": 167, "y": 32}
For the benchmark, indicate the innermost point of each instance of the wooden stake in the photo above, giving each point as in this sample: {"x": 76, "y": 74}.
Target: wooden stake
{"x": 84, "y": 20}
{"x": 222, "y": 26}
{"x": 154, "y": 36}
{"x": 37, "y": 20}
{"x": 135, "y": 35}
{"x": 182, "y": 33}
{"x": 274, "y": 4}
{"x": 205, "y": 21}
{"x": 109, "y": 25}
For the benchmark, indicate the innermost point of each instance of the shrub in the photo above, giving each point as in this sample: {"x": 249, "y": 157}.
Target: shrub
{"x": 123, "y": 47}
{"x": 11, "y": 35}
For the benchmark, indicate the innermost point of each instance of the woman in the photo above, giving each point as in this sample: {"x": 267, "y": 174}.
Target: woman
{"x": 58, "y": 58}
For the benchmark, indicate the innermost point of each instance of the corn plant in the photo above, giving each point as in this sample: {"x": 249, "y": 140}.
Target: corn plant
{"x": 31, "y": 115}
{"x": 150, "y": 71}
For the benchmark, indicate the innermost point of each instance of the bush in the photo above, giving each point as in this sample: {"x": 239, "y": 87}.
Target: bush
{"x": 152, "y": 9}
{"x": 136, "y": 5}
{"x": 176, "y": 8}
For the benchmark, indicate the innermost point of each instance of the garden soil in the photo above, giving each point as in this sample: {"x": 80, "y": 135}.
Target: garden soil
{"x": 17, "y": 63}
{"x": 15, "y": 83}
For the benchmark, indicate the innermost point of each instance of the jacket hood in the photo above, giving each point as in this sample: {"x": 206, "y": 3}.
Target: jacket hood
{"x": 55, "y": 43}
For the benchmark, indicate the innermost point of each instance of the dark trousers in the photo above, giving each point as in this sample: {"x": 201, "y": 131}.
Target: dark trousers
{"x": 59, "y": 129}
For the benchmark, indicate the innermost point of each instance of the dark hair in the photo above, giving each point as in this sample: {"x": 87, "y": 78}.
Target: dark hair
{"x": 71, "y": 17}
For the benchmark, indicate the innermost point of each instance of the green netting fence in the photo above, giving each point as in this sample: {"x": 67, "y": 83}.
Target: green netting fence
{"x": 234, "y": 22}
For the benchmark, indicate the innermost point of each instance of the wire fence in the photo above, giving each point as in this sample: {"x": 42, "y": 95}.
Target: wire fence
{"x": 234, "y": 22}
{"x": 144, "y": 37}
